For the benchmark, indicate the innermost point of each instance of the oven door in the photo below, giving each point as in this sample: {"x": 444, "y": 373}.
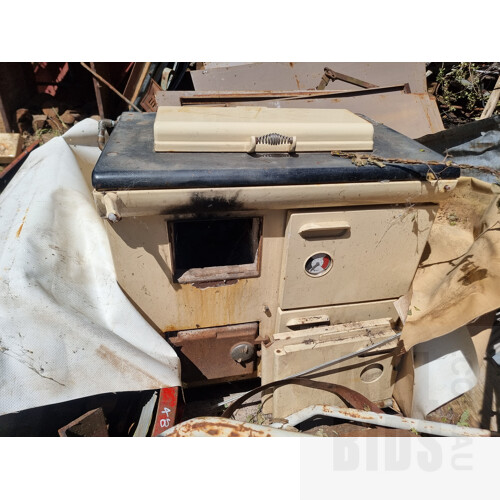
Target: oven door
{"x": 356, "y": 255}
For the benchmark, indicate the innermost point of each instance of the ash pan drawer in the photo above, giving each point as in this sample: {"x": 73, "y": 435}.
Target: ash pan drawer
{"x": 345, "y": 256}
{"x": 371, "y": 373}
{"x": 216, "y": 353}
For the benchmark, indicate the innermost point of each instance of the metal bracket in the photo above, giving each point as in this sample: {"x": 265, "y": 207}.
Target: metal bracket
{"x": 335, "y": 75}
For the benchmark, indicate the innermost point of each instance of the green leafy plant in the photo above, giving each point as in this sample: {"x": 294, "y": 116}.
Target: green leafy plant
{"x": 460, "y": 86}
{"x": 452, "y": 219}
{"x": 464, "y": 419}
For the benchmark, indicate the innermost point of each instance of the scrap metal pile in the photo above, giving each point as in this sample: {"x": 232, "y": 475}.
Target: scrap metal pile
{"x": 227, "y": 270}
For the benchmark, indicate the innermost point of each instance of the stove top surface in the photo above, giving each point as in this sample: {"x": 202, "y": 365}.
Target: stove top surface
{"x": 130, "y": 162}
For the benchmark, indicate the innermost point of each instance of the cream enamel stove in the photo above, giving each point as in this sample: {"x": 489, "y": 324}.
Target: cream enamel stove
{"x": 255, "y": 252}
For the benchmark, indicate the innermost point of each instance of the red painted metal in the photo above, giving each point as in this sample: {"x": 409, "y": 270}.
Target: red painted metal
{"x": 167, "y": 410}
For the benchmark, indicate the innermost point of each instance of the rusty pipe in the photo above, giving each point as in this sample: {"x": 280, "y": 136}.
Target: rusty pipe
{"x": 101, "y": 134}
{"x": 225, "y": 427}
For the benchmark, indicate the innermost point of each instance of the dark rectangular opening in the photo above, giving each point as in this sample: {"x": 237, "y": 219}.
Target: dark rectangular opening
{"x": 215, "y": 249}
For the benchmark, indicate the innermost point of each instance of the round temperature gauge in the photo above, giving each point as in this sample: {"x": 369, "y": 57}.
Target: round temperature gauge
{"x": 318, "y": 264}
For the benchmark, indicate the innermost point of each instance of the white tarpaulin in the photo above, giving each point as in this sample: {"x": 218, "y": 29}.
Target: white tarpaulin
{"x": 66, "y": 329}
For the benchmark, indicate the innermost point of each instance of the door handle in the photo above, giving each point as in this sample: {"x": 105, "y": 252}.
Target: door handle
{"x": 306, "y": 321}
{"x": 324, "y": 229}
{"x": 272, "y": 142}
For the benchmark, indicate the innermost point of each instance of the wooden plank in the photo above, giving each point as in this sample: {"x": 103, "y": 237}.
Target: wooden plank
{"x": 3, "y": 129}
{"x": 136, "y": 79}
{"x": 492, "y": 101}
{"x": 110, "y": 101}
{"x": 98, "y": 94}
{"x": 10, "y": 147}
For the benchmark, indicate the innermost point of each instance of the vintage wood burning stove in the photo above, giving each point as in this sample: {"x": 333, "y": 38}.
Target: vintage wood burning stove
{"x": 256, "y": 252}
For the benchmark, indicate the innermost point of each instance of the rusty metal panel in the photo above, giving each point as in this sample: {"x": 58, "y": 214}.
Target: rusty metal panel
{"x": 91, "y": 424}
{"x": 214, "y": 353}
{"x": 148, "y": 102}
{"x": 307, "y": 75}
{"x": 332, "y": 76}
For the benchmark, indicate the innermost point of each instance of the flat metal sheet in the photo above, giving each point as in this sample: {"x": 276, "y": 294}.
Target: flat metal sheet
{"x": 306, "y": 75}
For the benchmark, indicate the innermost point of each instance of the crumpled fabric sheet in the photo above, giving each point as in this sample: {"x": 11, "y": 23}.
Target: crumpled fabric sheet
{"x": 458, "y": 278}
{"x": 481, "y": 151}
{"x": 67, "y": 330}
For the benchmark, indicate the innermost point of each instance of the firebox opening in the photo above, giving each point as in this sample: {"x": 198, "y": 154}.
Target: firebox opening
{"x": 215, "y": 249}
